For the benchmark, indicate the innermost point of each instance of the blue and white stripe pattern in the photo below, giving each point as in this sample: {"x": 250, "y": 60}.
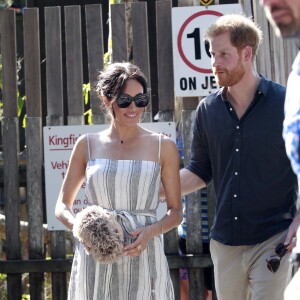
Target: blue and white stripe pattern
{"x": 291, "y": 124}
{"x": 204, "y": 217}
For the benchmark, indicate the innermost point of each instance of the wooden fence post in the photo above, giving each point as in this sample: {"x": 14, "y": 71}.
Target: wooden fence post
{"x": 140, "y": 46}
{"x": 166, "y": 105}
{"x": 55, "y": 117}
{"x": 119, "y": 33}
{"x": 11, "y": 151}
{"x": 193, "y": 212}
{"x": 74, "y": 70}
{"x": 54, "y": 69}
{"x": 95, "y": 46}
{"x": 34, "y": 149}
{"x": 165, "y": 57}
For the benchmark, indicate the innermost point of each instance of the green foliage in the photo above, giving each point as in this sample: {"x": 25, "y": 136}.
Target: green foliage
{"x": 115, "y": 1}
{"x": 3, "y": 295}
{"x": 3, "y": 287}
{"x": 86, "y": 89}
{"x": 89, "y": 115}
{"x": 21, "y": 102}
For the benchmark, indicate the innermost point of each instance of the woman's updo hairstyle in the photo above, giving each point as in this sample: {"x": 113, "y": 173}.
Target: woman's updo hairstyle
{"x": 112, "y": 79}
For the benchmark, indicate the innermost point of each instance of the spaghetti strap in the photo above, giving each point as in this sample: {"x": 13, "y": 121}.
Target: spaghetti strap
{"x": 159, "y": 147}
{"x": 88, "y": 145}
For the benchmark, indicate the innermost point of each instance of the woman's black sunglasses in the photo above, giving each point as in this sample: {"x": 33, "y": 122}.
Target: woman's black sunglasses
{"x": 140, "y": 100}
{"x": 274, "y": 262}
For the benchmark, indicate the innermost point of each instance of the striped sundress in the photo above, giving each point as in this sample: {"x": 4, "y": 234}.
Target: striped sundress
{"x": 131, "y": 186}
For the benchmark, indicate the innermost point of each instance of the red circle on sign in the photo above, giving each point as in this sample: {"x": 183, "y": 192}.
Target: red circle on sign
{"x": 179, "y": 39}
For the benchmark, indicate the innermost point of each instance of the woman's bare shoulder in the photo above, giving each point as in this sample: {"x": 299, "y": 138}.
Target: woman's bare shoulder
{"x": 94, "y": 136}
{"x": 165, "y": 138}
{"x": 89, "y": 139}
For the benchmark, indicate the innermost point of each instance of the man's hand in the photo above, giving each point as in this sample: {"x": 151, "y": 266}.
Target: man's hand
{"x": 291, "y": 236}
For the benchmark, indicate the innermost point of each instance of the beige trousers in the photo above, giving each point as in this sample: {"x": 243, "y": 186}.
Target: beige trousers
{"x": 241, "y": 272}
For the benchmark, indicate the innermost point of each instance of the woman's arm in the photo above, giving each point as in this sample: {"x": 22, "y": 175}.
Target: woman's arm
{"x": 71, "y": 183}
{"x": 171, "y": 184}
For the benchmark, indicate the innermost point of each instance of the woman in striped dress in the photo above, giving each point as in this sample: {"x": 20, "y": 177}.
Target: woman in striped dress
{"x": 123, "y": 167}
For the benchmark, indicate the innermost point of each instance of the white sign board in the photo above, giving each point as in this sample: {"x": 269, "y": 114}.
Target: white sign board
{"x": 191, "y": 58}
{"x": 58, "y": 144}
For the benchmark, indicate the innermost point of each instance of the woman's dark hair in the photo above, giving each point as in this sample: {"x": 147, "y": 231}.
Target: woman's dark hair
{"x": 112, "y": 79}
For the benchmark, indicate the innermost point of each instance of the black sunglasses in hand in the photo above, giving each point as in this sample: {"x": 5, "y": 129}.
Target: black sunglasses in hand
{"x": 274, "y": 262}
{"x": 140, "y": 100}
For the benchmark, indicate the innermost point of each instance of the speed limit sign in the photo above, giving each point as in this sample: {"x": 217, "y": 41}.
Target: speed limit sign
{"x": 191, "y": 58}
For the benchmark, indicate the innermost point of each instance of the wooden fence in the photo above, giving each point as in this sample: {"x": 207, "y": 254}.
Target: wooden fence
{"x": 67, "y": 108}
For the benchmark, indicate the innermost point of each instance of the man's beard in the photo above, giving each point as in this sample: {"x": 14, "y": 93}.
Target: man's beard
{"x": 288, "y": 30}
{"x": 285, "y": 30}
{"x": 230, "y": 78}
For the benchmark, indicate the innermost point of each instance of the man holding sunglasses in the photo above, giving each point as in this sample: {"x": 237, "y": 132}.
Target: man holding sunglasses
{"x": 284, "y": 15}
{"x": 237, "y": 142}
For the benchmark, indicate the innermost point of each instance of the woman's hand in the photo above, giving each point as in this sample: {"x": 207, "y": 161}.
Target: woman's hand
{"x": 143, "y": 235}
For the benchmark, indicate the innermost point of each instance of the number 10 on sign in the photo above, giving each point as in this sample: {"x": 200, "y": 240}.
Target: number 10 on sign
{"x": 192, "y": 67}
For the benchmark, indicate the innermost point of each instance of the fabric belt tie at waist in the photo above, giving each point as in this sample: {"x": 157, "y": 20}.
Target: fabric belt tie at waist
{"x": 128, "y": 221}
